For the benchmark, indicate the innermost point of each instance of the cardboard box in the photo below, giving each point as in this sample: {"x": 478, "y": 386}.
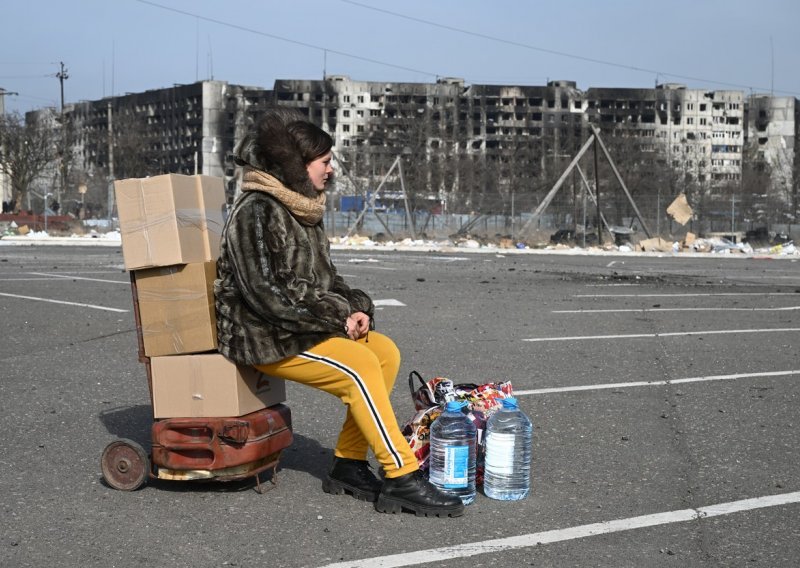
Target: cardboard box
{"x": 170, "y": 219}
{"x": 209, "y": 385}
{"x": 176, "y": 308}
{"x": 656, "y": 244}
{"x": 212, "y": 196}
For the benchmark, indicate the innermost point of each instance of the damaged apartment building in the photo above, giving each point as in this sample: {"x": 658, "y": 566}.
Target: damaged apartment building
{"x": 460, "y": 138}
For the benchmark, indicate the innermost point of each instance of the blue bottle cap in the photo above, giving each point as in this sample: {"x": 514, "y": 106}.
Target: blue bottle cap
{"x": 510, "y": 403}
{"x": 454, "y": 405}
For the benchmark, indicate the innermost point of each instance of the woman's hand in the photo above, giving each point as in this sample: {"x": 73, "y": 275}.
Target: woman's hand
{"x": 357, "y": 325}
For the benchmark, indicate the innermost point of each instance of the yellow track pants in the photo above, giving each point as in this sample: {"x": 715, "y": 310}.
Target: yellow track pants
{"x": 361, "y": 373}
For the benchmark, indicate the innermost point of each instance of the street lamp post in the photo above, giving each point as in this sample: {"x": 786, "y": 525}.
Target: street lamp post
{"x": 82, "y": 190}
{"x": 45, "y": 210}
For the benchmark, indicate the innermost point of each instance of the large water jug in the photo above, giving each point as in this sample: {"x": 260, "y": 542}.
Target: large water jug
{"x": 452, "y": 453}
{"x": 507, "y": 474}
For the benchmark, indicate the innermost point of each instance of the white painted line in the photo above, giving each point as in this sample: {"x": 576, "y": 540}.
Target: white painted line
{"x": 610, "y": 264}
{"x": 612, "y": 285}
{"x": 657, "y": 383}
{"x": 686, "y": 295}
{"x": 670, "y": 334}
{"x": 469, "y": 549}
{"x": 25, "y": 279}
{"x": 92, "y": 306}
{"x": 80, "y": 278}
{"x": 638, "y": 310}
{"x": 389, "y": 302}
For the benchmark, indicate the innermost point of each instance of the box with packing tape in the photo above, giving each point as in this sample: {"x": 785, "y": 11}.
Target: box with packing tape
{"x": 209, "y": 385}
{"x": 176, "y": 308}
{"x": 170, "y": 219}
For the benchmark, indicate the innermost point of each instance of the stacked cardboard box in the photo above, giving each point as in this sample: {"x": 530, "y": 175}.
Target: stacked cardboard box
{"x": 171, "y": 227}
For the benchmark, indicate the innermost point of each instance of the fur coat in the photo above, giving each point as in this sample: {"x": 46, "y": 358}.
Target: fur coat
{"x": 277, "y": 291}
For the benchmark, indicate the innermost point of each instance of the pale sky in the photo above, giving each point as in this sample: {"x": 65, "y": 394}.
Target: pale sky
{"x": 118, "y": 46}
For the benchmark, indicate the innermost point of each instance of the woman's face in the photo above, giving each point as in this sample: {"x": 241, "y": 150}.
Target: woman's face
{"x": 320, "y": 170}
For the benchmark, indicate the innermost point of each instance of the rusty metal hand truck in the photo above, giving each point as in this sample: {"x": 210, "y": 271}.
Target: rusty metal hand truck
{"x": 186, "y": 449}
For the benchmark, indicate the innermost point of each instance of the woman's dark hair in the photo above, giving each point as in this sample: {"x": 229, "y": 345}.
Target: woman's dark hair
{"x": 282, "y": 142}
{"x": 311, "y": 140}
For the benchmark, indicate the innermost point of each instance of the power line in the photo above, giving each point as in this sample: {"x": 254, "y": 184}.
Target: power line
{"x": 553, "y": 51}
{"x": 288, "y": 40}
{"x": 27, "y": 76}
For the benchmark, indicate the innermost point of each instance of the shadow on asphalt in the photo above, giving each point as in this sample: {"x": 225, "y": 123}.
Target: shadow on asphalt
{"x": 130, "y": 422}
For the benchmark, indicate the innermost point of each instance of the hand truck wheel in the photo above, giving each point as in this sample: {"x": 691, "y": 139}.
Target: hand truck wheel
{"x": 125, "y": 465}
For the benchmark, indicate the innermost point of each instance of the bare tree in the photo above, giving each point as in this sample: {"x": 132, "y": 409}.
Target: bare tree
{"x": 132, "y": 156}
{"x": 26, "y": 150}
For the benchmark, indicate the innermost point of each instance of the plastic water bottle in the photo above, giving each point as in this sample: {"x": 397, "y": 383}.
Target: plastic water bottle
{"x": 507, "y": 474}
{"x": 452, "y": 457}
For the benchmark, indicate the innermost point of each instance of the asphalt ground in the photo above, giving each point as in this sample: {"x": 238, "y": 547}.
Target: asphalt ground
{"x": 664, "y": 393}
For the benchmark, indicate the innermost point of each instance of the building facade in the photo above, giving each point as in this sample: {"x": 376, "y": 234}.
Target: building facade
{"x": 483, "y": 144}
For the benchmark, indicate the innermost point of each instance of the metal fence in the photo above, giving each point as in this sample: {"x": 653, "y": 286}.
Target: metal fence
{"x": 396, "y": 226}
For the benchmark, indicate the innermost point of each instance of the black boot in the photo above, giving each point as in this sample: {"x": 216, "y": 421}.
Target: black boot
{"x": 415, "y": 493}
{"x": 354, "y": 477}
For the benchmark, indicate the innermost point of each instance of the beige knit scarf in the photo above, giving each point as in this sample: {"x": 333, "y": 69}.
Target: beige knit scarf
{"x": 307, "y": 211}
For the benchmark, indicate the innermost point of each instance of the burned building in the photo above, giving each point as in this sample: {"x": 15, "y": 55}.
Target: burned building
{"x": 474, "y": 147}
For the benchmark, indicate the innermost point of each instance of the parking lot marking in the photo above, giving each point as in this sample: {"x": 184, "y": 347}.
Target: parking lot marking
{"x": 612, "y": 311}
{"x": 92, "y": 306}
{"x": 658, "y": 383}
{"x": 668, "y": 334}
{"x": 69, "y": 277}
{"x": 532, "y": 540}
{"x": 23, "y": 279}
{"x": 389, "y": 302}
{"x": 695, "y": 295}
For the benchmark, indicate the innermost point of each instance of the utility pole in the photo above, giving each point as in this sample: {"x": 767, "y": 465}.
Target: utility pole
{"x": 3, "y": 94}
{"x": 62, "y": 76}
